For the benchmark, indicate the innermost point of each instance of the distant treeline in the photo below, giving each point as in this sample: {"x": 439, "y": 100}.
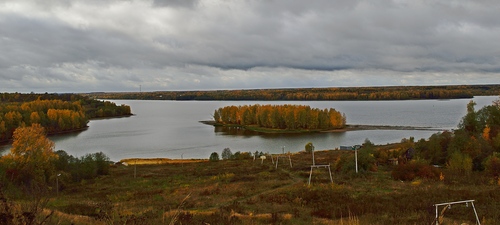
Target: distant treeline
{"x": 289, "y": 117}
{"x": 55, "y": 112}
{"x": 340, "y": 93}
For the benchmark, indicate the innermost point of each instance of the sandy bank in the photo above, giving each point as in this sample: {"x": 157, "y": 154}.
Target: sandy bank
{"x": 149, "y": 161}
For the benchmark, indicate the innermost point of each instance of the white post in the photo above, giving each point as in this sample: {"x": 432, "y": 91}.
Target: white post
{"x": 312, "y": 146}
{"x": 437, "y": 216}
{"x": 356, "y": 156}
{"x": 475, "y": 213}
{"x": 330, "y": 171}
{"x": 310, "y": 176}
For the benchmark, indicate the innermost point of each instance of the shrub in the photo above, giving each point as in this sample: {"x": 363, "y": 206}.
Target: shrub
{"x": 309, "y": 147}
{"x": 492, "y": 165}
{"x": 85, "y": 167}
{"x": 227, "y": 154}
{"x": 414, "y": 169}
{"x": 102, "y": 163}
{"x": 242, "y": 155}
{"x": 214, "y": 157}
{"x": 366, "y": 160}
{"x": 93, "y": 165}
{"x": 460, "y": 162}
{"x": 345, "y": 163}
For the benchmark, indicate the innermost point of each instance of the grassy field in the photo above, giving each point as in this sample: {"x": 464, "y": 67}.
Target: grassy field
{"x": 256, "y": 192}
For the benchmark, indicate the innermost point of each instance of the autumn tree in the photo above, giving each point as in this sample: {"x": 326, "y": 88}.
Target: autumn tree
{"x": 460, "y": 163}
{"x": 366, "y": 159}
{"x": 214, "y": 157}
{"x": 217, "y": 116}
{"x": 309, "y": 147}
{"x": 492, "y": 165}
{"x": 30, "y": 161}
{"x": 227, "y": 154}
{"x": 469, "y": 122}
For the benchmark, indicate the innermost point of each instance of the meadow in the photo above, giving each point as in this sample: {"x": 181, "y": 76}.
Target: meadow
{"x": 249, "y": 191}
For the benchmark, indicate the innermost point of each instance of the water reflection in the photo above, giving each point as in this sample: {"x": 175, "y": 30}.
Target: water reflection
{"x": 241, "y": 132}
{"x": 219, "y": 130}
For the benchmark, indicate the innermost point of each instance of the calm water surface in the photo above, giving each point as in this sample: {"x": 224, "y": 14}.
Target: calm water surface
{"x": 171, "y": 128}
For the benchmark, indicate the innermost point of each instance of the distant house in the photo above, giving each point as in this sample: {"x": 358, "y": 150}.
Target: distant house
{"x": 393, "y": 161}
{"x": 350, "y": 147}
{"x": 342, "y": 147}
{"x": 407, "y": 155}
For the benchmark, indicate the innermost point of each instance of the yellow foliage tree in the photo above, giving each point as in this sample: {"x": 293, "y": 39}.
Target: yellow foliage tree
{"x": 34, "y": 117}
{"x": 31, "y": 157}
{"x": 486, "y": 133}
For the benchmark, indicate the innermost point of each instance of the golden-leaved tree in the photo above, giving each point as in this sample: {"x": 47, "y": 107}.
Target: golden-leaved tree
{"x": 31, "y": 158}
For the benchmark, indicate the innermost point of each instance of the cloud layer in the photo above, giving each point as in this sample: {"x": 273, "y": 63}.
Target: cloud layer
{"x": 119, "y": 45}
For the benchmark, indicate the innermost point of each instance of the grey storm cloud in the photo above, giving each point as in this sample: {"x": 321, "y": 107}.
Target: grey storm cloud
{"x": 117, "y": 45}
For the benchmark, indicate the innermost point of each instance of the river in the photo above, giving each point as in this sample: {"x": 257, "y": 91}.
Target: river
{"x": 172, "y": 129}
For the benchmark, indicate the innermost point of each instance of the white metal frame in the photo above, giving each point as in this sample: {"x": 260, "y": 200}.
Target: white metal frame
{"x": 318, "y": 166}
{"x": 448, "y": 204}
{"x": 283, "y": 156}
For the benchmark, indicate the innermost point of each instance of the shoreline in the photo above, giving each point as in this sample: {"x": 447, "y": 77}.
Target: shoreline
{"x": 86, "y": 127}
{"x": 349, "y": 127}
{"x": 353, "y": 127}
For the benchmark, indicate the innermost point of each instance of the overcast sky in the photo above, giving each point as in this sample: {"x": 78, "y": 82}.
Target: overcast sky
{"x": 118, "y": 45}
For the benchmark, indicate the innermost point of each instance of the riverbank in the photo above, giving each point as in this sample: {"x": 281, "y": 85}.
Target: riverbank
{"x": 384, "y": 127}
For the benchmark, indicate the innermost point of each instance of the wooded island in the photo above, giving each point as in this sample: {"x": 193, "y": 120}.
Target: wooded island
{"x": 283, "y": 117}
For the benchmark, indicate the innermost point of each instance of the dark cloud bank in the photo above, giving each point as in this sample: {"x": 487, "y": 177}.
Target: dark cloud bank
{"x": 81, "y": 46}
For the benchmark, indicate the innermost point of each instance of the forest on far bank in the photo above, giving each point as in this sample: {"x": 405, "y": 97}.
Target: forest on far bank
{"x": 314, "y": 94}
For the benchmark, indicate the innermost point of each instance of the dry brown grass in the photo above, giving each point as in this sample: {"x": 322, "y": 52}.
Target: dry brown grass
{"x": 248, "y": 192}
{"x": 58, "y": 216}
